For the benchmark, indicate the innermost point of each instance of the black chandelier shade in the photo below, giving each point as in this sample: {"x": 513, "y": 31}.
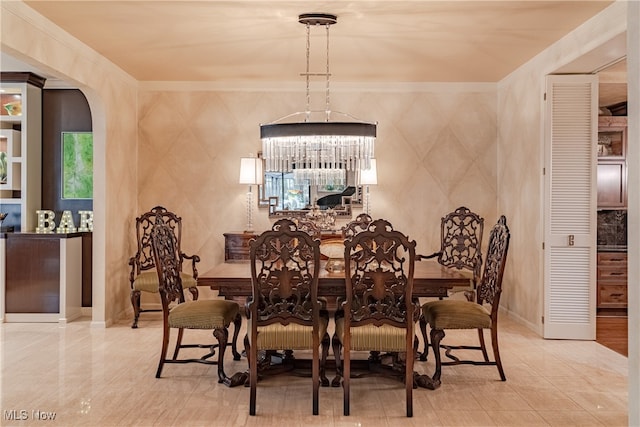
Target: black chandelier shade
{"x": 283, "y": 130}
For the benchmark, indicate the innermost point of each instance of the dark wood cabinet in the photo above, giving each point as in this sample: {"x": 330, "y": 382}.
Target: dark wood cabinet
{"x": 612, "y": 283}
{"x": 43, "y": 278}
{"x": 236, "y": 246}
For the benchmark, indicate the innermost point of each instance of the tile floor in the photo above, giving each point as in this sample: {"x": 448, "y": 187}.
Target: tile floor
{"x": 105, "y": 377}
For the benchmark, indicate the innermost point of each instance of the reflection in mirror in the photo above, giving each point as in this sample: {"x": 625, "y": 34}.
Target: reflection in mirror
{"x": 283, "y": 196}
{"x": 282, "y": 188}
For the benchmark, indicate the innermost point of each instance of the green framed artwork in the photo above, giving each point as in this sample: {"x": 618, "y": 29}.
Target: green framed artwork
{"x": 77, "y": 165}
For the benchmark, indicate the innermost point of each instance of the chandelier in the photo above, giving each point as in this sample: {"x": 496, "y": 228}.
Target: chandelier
{"x": 318, "y": 151}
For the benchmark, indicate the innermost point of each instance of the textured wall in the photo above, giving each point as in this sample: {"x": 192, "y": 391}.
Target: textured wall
{"x": 440, "y": 146}
{"x": 436, "y": 150}
{"x": 520, "y": 160}
{"x": 112, "y": 97}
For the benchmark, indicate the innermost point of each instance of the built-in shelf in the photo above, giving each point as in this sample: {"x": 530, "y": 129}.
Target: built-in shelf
{"x": 21, "y": 141}
{"x": 612, "y": 164}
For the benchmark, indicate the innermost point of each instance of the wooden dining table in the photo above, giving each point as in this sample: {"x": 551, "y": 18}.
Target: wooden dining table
{"x": 232, "y": 280}
{"x": 430, "y": 279}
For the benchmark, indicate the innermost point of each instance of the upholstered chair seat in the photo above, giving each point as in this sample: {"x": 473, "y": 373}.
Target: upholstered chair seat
{"x": 288, "y": 337}
{"x": 455, "y": 314}
{"x": 374, "y": 338}
{"x": 148, "y": 282}
{"x": 203, "y": 314}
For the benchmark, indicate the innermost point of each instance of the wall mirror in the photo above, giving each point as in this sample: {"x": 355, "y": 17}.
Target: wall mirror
{"x": 284, "y": 197}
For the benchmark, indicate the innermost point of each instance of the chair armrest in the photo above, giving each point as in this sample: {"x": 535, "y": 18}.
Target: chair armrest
{"x": 433, "y": 255}
{"x": 247, "y": 309}
{"x": 132, "y": 274}
{"x": 194, "y": 259}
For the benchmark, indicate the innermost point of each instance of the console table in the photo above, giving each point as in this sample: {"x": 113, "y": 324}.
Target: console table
{"x": 236, "y": 244}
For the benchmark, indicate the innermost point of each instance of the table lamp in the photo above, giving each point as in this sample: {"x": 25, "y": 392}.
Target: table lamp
{"x": 368, "y": 177}
{"x": 251, "y": 174}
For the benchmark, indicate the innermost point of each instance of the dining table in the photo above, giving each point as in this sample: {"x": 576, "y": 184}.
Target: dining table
{"x": 430, "y": 279}
{"x": 232, "y": 280}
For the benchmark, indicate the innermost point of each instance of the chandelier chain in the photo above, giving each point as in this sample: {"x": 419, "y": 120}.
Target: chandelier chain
{"x": 307, "y": 73}
{"x": 327, "y": 108}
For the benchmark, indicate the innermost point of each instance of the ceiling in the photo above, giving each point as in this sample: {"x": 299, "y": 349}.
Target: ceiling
{"x": 373, "y": 41}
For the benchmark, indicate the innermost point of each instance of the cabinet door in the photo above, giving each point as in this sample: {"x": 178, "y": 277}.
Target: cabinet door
{"x": 612, "y": 177}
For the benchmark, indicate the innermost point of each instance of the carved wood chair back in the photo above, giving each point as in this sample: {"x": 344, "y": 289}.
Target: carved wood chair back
{"x": 164, "y": 250}
{"x": 490, "y": 287}
{"x": 360, "y": 223}
{"x": 144, "y": 259}
{"x": 285, "y": 263}
{"x": 461, "y": 243}
{"x": 307, "y": 225}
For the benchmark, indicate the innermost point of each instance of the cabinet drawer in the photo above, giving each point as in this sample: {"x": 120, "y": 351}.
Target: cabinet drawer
{"x": 612, "y": 273}
{"x": 612, "y": 267}
{"x": 612, "y": 258}
{"x": 612, "y": 296}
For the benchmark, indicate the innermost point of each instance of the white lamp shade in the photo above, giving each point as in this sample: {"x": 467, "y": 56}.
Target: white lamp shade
{"x": 369, "y": 176}
{"x": 250, "y": 170}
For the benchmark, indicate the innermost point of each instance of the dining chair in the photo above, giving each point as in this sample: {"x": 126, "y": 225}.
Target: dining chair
{"x": 460, "y": 248}
{"x": 284, "y": 312}
{"x": 142, "y": 276}
{"x": 177, "y": 313}
{"x": 482, "y": 314}
{"x": 375, "y": 316}
{"x": 360, "y": 223}
{"x": 306, "y": 224}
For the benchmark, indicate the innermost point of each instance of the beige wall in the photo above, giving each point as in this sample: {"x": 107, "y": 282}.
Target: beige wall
{"x": 112, "y": 96}
{"x": 436, "y": 150}
{"x": 520, "y": 160}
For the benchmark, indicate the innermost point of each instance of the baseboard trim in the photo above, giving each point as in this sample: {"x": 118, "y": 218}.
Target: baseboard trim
{"x": 522, "y": 321}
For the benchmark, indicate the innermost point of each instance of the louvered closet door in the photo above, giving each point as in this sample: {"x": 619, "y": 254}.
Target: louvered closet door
{"x": 570, "y": 207}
